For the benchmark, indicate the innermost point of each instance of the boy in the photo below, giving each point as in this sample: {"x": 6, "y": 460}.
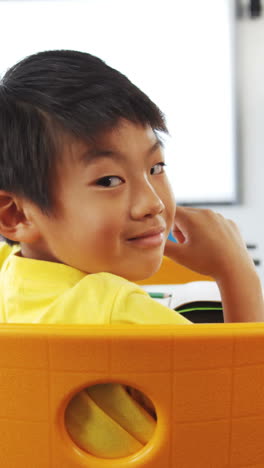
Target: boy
{"x": 85, "y": 201}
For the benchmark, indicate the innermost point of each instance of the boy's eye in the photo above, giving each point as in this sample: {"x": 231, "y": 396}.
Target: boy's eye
{"x": 109, "y": 181}
{"x": 157, "y": 169}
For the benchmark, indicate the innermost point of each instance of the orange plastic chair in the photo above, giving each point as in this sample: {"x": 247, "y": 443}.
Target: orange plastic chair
{"x": 173, "y": 273}
{"x": 206, "y": 382}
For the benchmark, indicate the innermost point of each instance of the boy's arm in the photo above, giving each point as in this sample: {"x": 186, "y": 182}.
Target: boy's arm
{"x": 242, "y": 297}
{"x": 212, "y": 245}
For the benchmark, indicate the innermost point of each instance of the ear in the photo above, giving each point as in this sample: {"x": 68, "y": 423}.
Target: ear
{"x": 15, "y": 224}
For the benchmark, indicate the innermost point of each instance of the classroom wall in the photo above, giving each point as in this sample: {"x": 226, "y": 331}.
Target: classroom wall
{"x": 250, "y": 79}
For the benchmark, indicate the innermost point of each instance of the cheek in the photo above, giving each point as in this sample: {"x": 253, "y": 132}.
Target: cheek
{"x": 170, "y": 203}
{"x": 104, "y": 228}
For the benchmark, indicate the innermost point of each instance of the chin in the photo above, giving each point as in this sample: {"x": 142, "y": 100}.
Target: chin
{"x": 146, "y": 270}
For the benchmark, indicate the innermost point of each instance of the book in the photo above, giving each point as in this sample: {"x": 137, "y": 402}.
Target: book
{"x": 199, "y": 301}
{"x": 183, "y": 294}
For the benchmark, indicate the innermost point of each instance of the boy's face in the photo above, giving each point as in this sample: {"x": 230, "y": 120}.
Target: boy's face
{"x": 113, "y": 206}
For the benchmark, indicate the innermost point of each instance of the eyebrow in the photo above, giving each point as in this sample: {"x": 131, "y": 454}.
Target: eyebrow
{"x": 97, "y": 152}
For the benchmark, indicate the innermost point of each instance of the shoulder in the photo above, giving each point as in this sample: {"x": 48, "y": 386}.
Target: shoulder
{"x": 113, "y": 283}
{"x": 131, "y": 304}
{"x": 110, "y": 288}
{"x": 5, "y": 251}
{"x": 96, "y": 298}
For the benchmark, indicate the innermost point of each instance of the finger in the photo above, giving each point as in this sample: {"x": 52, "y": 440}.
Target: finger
{"x": 181, "y": 226}
{"x": 179, "y": 236}
{"x": 184, "y": 215}
{"x": 174, "y": 251}
{"x": 187, "y": 209}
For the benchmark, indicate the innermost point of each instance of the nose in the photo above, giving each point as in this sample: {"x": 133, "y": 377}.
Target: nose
{"x": 146, "y": 202}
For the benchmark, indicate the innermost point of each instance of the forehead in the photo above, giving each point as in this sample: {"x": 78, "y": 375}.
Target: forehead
{"x": 125, "y": 139}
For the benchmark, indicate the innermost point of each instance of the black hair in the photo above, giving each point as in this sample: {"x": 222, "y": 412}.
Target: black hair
{"x": 60, "y": 91}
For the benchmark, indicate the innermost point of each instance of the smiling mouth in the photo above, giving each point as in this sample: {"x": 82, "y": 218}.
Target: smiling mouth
{"x": 148, "y": 240}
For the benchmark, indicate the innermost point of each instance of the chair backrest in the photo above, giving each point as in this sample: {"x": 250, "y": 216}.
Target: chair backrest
{"x": 206, "y": 382}
{"x": 174, "y": 273}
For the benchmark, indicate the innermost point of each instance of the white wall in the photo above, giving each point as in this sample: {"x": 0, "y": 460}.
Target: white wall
{"x": 250, "y": 76}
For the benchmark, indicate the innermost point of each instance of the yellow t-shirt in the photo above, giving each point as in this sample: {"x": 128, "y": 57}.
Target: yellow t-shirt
{"x": 34, "y": 291}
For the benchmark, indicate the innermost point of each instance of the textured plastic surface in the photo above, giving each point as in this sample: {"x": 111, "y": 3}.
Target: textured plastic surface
{"x": 206, "y": 381}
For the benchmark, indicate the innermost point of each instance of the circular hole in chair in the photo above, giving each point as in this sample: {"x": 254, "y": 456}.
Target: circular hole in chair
{"x": 110, "y": 420}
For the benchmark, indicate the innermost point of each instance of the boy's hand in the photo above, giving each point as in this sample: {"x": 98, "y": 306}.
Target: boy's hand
{"x": 212, "y": 245}
{"x": 207, "y": 243}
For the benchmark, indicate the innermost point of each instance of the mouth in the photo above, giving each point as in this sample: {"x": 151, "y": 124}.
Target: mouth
{"x": 148, "y": 239}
